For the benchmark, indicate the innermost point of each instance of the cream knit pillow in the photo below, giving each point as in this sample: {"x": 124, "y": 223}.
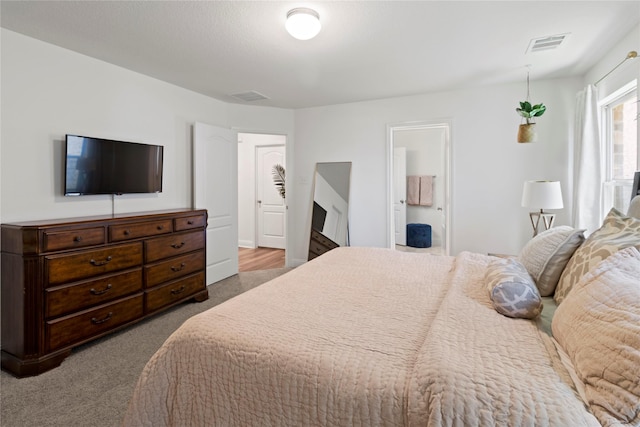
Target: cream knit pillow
{"x": 598, "y": 326}
{"x": 546, "y": 255}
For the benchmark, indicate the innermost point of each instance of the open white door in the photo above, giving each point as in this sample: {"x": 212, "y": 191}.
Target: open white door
{"x": 271, "y": 208}
{"x": 215, "y": 188}
{"x": 400, "y": 194}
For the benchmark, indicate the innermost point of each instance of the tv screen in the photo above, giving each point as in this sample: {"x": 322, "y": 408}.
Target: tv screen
{"x": 104, "y": 166}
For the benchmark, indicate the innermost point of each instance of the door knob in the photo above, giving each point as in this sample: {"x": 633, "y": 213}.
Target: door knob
{"x": 259, "y": 202}
{"x": 401, "y": 201}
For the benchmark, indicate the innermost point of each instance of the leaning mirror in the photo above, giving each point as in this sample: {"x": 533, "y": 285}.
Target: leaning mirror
{"x": 330, "y": 211}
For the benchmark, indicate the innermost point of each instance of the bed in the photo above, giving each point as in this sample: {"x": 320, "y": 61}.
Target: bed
{"x": 377, "y": 337}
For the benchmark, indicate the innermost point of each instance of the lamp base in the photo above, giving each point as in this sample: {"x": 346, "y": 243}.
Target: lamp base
{"x": 547, "y": 221}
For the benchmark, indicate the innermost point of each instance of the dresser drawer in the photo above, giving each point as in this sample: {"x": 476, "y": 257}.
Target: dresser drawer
{"x": 173, "y": 268}
{"x": 323, "y": 240}
{"x": 68, "y": 298}
{"x": 174, "y": 291}
{"x": 175, "y": 244}
{"x": 137, "y": 230}
{"x": 189, "y": 222}
{"x": 69, "y": 330}
{"x": 68, "y": 268}
{"x": 70, "y": 239}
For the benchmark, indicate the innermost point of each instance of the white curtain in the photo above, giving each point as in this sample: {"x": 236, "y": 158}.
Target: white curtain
{"x": 587, "y": 162}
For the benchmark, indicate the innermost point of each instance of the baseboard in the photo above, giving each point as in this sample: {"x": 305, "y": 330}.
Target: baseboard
{"x": 297, "y": 262}
{"x": 247, "y": 244}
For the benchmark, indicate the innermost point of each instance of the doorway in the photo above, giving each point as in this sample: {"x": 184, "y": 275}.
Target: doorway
{"x": 261, "y": 207}
{"x": 418, "y": 150}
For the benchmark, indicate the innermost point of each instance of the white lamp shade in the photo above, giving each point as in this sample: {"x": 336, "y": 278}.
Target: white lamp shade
{"x": 303, "y": 23}
{"x": 542, "y": 195}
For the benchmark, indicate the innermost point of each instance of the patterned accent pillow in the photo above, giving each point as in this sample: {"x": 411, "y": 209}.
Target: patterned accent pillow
{"x": 617, "y": 232}
{"x": 512, "y": 290}
{"x": 598, "y": 327}
{"x": 634, "y": 207}
{"x": 546, "y": 255}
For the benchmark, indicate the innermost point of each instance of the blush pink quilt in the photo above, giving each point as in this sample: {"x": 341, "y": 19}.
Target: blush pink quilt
{"x": 359, "y": 337}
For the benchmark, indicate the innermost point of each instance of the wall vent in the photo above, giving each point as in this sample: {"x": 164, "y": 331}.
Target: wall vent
{"x": 249, "y": 96}
{"x": 546, "y": 43}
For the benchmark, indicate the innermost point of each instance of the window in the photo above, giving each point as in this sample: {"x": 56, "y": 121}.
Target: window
{"x": 620, "y": 142}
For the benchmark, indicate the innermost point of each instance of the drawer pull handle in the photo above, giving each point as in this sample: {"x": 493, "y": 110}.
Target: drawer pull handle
{"x": 127, "y": 232}
{"x": 177, "y": 245}
{"x": 190, "y": 222}
{"x": 99, "y": 321}
{"x": 99, "y": 263}
{"x": 178, "y": 291}
{"x": 178, "y": 268}
{"x": 160, "y": 227}
{"x": 77, "y": 239}
{"x": 104, "y": 291}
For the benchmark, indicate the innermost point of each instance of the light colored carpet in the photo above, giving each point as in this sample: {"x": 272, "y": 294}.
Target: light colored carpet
{"x": 92, "y": 387}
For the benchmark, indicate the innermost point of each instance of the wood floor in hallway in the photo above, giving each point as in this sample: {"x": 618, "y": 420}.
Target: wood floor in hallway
{"x": 260, "y": 259}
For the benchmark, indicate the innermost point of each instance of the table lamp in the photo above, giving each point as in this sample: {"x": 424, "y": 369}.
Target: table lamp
{"x": 542, "y": 195}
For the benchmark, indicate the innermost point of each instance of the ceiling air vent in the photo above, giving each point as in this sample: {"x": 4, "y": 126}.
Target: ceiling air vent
{"x": 249, "y": 96}
{"x": 546, "y": 43}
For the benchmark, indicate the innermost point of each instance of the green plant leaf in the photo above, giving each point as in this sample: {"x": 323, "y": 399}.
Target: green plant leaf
{"x": 528, "y": 111}
{"x": 538, "y": 110}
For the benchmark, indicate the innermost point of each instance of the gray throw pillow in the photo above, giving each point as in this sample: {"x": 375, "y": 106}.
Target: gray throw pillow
{"x": 512, "y": 290}
{"x": 546, "y": 255}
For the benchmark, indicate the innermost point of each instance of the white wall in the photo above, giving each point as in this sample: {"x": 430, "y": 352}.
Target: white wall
{"x": 488, "y": 166}
{"x": 48, "y": 91}
{"x": 247, "y": 143}
{"x": 625, "y": 73}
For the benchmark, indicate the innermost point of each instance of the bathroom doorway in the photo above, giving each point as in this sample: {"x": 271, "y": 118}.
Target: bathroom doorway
{"x": 419, "y": 152}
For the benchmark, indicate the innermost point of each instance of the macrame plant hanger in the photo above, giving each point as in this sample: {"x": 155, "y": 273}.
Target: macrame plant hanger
{"x": 527, "y": 131}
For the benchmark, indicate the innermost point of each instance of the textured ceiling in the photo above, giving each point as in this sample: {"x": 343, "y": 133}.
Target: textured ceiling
{"x": 365, "y": 50}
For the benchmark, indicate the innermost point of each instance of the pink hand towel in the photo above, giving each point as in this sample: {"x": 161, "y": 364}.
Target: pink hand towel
{"x": 413, "y": 190}
{"x": 426, "y": 190}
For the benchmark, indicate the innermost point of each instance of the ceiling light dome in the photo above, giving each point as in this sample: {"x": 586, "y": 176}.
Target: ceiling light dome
{"x": 303, "y": 23}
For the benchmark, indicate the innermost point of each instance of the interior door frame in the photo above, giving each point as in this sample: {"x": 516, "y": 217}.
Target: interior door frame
{"x": 257, "y": 182}
{"x": 446, "y": 124}
{"x": 289, "y": 170}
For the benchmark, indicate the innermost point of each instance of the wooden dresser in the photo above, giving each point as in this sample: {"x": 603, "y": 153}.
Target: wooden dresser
{"x": 319, "y": 244}
{"x": 69, "y": 281}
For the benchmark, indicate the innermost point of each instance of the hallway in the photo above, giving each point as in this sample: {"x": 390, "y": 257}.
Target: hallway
{"x": 260, "y": 259}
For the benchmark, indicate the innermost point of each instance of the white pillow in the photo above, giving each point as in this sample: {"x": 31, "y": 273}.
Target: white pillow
{"x": 546, "y": 255}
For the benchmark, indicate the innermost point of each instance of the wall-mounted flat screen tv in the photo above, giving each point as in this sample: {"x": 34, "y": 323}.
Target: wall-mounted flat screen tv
{"x": 105, "y": 166}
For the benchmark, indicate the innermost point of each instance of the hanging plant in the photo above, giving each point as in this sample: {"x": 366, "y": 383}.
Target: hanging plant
{"x": 278, "y": 175}
{"x": 527, "y": 131}
{"x": 529, "y": 111}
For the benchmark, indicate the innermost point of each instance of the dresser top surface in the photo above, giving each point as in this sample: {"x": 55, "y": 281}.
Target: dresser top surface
{"x": 99, "y": 218}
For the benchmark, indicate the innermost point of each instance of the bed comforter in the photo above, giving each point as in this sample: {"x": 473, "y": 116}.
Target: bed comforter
{"x": 360, "y": 337}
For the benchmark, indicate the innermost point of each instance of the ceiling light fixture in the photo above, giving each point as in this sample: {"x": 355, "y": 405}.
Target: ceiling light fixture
{"x": 303, "y": 23}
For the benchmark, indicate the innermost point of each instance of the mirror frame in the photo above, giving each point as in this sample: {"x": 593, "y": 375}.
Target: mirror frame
{"x": 329, "y": 207}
